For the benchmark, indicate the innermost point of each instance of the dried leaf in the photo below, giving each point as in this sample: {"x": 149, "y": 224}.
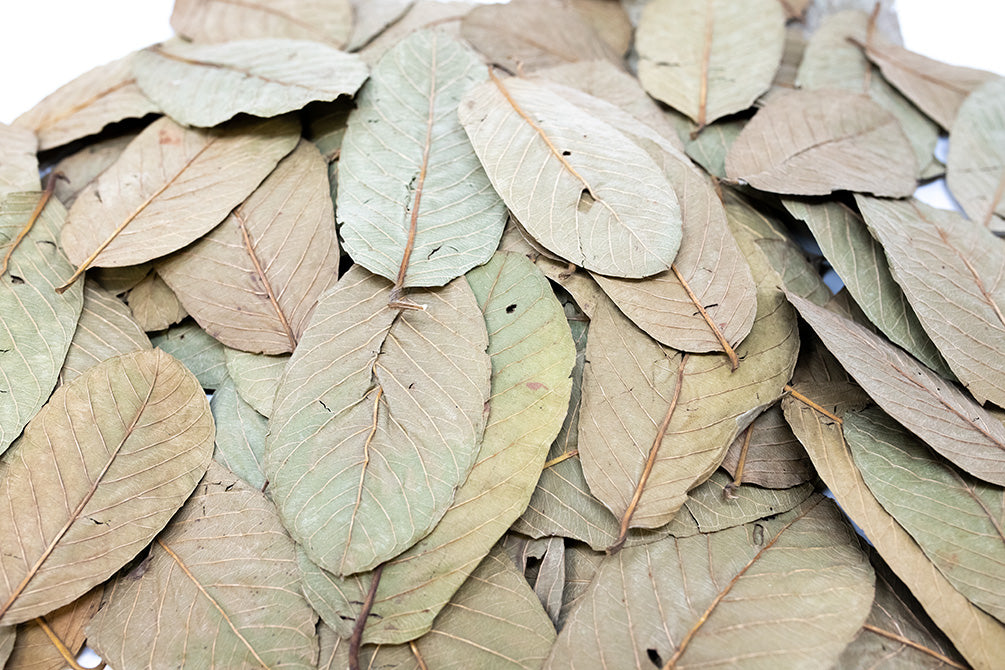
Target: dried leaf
{"x": 256, "y": 377}
{"x": 714, "y": 599}
{"x": 372, "y": 17}
{"x": 709, "y": 59}
{"x": 81, "y": 498}
{"x": 37, "y": 324}
{"x": 154, "y": 305}
{"x": 7, "y": 639}
{"x": 609, "y": 19}
{"x": 952, "y": 274}
{"x": 713, "y": 510}
{"x": 440, "y": 15}
{"x": 252, "y": 282}
{"x": 199, "y": 352}
{"x": 379, "y": 417}
{"x": 327, "y": 21}
{"x": 932, "y": 408}
{"x": 975, "y": 170}
{"x": 415, "y": 205}
{"x": 957, "y": 521}
{"x": 170, "y": 186}
{"x": 576, "y": 184}
{"x": 527, "y": 35}
{"x": 79, "y": 169}
{"x": 34, "y": 650}
{"x": 206, "y": 84}
{"x": 771, "y": 454}
{"x": 87, "y": 104}
{"x": 106, "y": 328}
{"x": 224, "y": 572}
{"x": 240, "y": 435}
{"x": 816, "y": 142}
{"x": 18, "y": 164}
{"x": 859, "y": 261}
{"x": 977, "y": 635}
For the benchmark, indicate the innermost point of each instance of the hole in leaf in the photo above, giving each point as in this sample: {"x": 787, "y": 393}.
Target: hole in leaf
{"x": 511, "y": 308}
{"x": 585, "y": 201}
{"x": 654, "y": 657}
{"x": 14, "y": 279}
{"x": 566, "y": 153}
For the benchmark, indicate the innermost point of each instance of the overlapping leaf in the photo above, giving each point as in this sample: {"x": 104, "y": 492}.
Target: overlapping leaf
{"x": 414, "y": 203}
{"x": 206, "y": 84}
{"x": 189, "y": 180}
{"x": 253, "y": 281}
{"x": 256, "y": 377}
{"x": 768, "y": 454}
{"x": 200, "y": 353}
{"x": 378, "y": 420}
{"x": 571, "y": 179}
{"x": 694, "y": 55}
{"x": 35, "y": 650}
{"x": 18, "y": 164}
{"x": 222, "y": 21}
{"x": 154, "y": 305}
{"x": 974, "y": 170}
{"x": 240, "y": 435}
{"x": 81, "y": 498}
{"x": 206, "y": 574}
{"x": 931, "y": 250}
{"x": 372, "y": 17}
{"x": 37, "y": 323}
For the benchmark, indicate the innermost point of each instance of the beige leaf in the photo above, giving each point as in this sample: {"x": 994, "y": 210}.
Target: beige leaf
{"x": 975, "y": 170}
{"x": 34, "y": 649}
{"x": 327, "y": 21}
{"x": 78, "y": 170}
{"x": 252, "y": 282}
{"x": 709, "y": 58}
{"x": 768, "y": 454}
{"x": 609, "y": 20}
{"x": 154, "y": 305}
{"x": 439, "y": 15}
{"x": 372, "y": 17}
{"x": 170, "y": 186}
{"x": 816, "y": 142}
{"x": 952, "y": 274}
{"x": 81, "y": 498}
{"x": 87, "y": 104}
{"x": 18, "y": 164}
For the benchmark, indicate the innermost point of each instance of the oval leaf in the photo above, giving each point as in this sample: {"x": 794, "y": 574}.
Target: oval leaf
{"x": 37, "y": 323}
{"x": 378, "y": 420}
{"x": 206, "y": 84}
{"x": 82, "y": 497}
{"x": 223, "y": 21}
{"x": 199, "y": 352}
{"x": 816, "y": 142}
{"x": 414, "y": 203}
{"x": 975, "y": 170}
{"x": 170, "y": 186}
{"x": 951, "y": 272}
{"x": 225, "y": 573}
{"x": 252, "y": 282}
{"x": 256, "y": 377}
{"x": 579, "y": 186}
{"x": 709, "y": 58}
{"x": 240, "y": 435}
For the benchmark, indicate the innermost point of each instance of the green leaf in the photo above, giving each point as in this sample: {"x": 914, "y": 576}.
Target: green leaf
{"x": 957, "y": 521}
{"x": 240, "y": 435}
{"x": 37, "y": 324}
{"x": 378, "y": 420}
{"x": 223, "y": 573}
{"x": 256, "y": 377}
{"x": 199, "y": 352}
{"x": 206, "y": 84}
{"x": 81, "y": 498}
{"x": 411, "y": 189}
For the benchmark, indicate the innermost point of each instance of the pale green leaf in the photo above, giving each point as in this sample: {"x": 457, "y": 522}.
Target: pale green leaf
{"x": 256, "y": 377}
{"x": 240, "y": 435}
{"x": 199, "y": 352}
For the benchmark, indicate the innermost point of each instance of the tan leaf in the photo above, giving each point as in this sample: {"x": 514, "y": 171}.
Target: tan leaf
{"x": 768, "y": 454}
{"x": 18, "y": 164}
{"x": 326, "y": 21}
{"x": 440, "y": 15}
{"x": 80, "y": 498}
{"x": 252, "y": 282}
{"x": 34, "y": 649}
{"x": 609, "y": 20}
{"x": 154, "y": 305}
{"x": 975, "y": 170}
{"x": 816, "y": 142}
{"x": 78, "y": 170}
{"x": 372, "y": 17}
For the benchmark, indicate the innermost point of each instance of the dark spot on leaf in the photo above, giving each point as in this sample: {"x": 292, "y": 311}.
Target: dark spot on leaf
{"x": 510, "y": 308}
{"x": 433, "y": 252}
{"x": 322, "y": 402}
{"x": 566, "y": 153}
{"x": 536, "y": 386}
{"x": 411, "y": 386}
{"x": 48, "y": 243}
{"x": 654, "y": 657}
{"x": 14, "y": 279}
{"x": 758, "y": 534}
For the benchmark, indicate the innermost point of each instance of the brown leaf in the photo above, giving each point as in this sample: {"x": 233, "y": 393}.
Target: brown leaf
{"x": 816, "y": 142}
{"x": 609, "y": 19}
{"x": 154, "y": 304}
{"x": 34, "y": 649}
{"x": 253, "y": 281}
{"x": 771, "y": 455}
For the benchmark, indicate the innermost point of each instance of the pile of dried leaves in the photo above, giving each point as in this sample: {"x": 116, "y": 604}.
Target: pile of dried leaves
{"x": 500, "y": 377}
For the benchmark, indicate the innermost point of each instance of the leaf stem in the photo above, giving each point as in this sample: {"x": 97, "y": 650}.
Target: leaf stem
{"x": 806, "y": 401}
{"x": 418, "y": 656}
{"x": 563, "y": 457}
{"x": 914, "y": 645}
{"x": 356, "y": 638}
{"x": 57, "y": 642}
{"x": 728, "y": 350}
{"x": 730, "y": 490}
{"x": 35, "y": 213}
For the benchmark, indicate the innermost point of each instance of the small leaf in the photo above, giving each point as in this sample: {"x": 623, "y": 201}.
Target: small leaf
{"x": 153, "y": 304}
{"x": 256, "y": 377}
{"x": 707, "y": 58}
{"x": 81, "y": 498}
{"x": 327, "y": 21}
{"x": 975, "y": 170}
{"x": 206, "y": 84}
{"x": 78, "y": 170}
{"x": 713, "y": 510}
{"x": 816, "y": 142}
{"x": 372, "y": 17}
{"x": 240, "y": 435}
{"x": 224, "y": 572}
{"x": 772, "y": 456}
{"x": 199, "y": 352}
{"x": 378, "y": 420}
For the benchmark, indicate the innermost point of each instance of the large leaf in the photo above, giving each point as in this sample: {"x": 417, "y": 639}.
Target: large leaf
{"x": 527, "y": 35}
{"x": 975, "y": 170}
{"x": 34, "y": 649}
{"x": 199, "y": 352}
{"x": 225, "y": 575}
{"x": 256, "y": 377}
{"x": 816, "y": 142}
{"x": 206, "y": 84}
{"x": 106, "y": 328}
{"x": 709, "y": 58}
{"x": 82, "y": 497}
{"x": 240, "y": 435}
{"x": 532, "y": 356}
{"x": 931, "y": 407}
{"x": 37, "y": 323}
{"x": 977, "y": 635}
{"x": 253, "y": 281}
{"x": 18, "y": 164}
{"x": 414, "y": 203}
{"x": 170, "y": 186}
{"x": 859, "y": 261}
{"x": 579, "y": 186}
{"x": 957, "y": 521}
{"x": 655, "y": 423}
{"x": 378, "y": 420}
{"x": 714, "y": 600}
{"x": 952, "y": 274}
{"x": 87, "y": 104}
{"x": 81, "y": 168}
{"x": 222, "y": 21}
